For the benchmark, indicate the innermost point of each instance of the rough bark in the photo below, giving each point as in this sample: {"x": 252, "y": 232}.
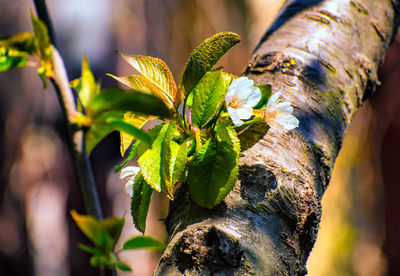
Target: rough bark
{"x": 324, "y": 57}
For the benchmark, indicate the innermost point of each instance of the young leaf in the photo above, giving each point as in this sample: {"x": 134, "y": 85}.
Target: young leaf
{"x": 212, "y": 173}
{"x": 168, "y": 157}
{"x": 180, "y": 162}
{"x": 265, "y": 94}
{"x": 151, "y": 160}
{"x": 132, "y": 154}
{"x": 143, "y": 242}
{"x": 141, "y": 83}
{"x": 88, "y": 86}
{"x": 9, "y": 62}
{"x": 123, "y": 267}
{"x": 140, "y": 202}
{"x": 113, "y": 227}
{"x": 138, "y": 121}
{"x": 208, "y": 96}
{"x": 41, "y": 35}
{"x": 204, "y": 57}
{"x": 91, "y": 228}
{"x": 226, "y": 133}
{"x": 21, "y": 44}
{"x": 156, "y": 71}
{"x": 103, "y": 234}
{"x": 90, "y": 249}
{"x": 128, "y": 100}
{"x": 121, "y": 125}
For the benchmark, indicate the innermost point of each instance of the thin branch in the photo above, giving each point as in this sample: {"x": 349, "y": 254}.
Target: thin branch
{"x": 76, "y": 137}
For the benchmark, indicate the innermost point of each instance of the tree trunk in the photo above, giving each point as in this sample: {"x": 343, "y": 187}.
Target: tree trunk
{"x": 324, "y": 57}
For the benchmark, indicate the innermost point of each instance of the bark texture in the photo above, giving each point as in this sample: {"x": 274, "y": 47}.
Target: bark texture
{"x": 324, "y": 57}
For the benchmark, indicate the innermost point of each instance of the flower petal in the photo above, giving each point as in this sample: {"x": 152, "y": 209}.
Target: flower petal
{"x": 129, "y": 172}
{"x": 244, "y": 112}
{"x": 253, "y": 96}
{"x": 234, "y": 116}
{"x": 286, "y": 121}
{"x": 129, "y": 187}
{"x": 284, "y": 107}
{"x": 273, "y": 100}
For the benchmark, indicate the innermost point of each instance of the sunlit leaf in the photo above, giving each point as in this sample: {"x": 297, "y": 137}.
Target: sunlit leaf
{"x": 7, "y": 62}
{"x": 140, "y": 202}
{"x": 143, "y": 242}
{"x": 208, "y": 96}
{"x": 157, "y": 72}
{"x": 142, "y": 84}
{"x": 21, "y": 44}
{"x": 121, "y": 125}
{"x": 168, "y": 154}
{"x": 103, "y": 234}
{"x": 138, "y": 121}
{"x": 131, "y": 155}
{"x": 128, "y": 100}
{"x": 91, "y": 227}
{"x": 265, "y": 94}
{"x": 88, "y": 86}
{"x": 204, "y": 57}
{"x": 151, "y": 160}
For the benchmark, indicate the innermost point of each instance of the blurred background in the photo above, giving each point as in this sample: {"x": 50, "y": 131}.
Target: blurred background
{"x": 360, "y": 228}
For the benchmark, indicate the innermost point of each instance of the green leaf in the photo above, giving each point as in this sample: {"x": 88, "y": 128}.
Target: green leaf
{"x": 21, "y": 44}
{"x": 143, "y": 242}
{"x": 138, "y": 121}
{"x": 113, "y": 227}
{"x": 8, "y": 62}
{"x": 96, "y": 133}
{"x": 88, "y": 86}
{"x": 212, "y": 173}
{"x": 103, "y": 234}
{"x": 204, "y": 57}
{"x": 151, "y": 160}
{"x": 91, "y": 228}
{"x": 189, "y": 100}
{"x": 141, "y": 83}
{"x": 140, "y": 202}
{"x": 89, "y": 249}
{"x": 128, "y": 100}
{"x": 123, "y": 267}
{"x": 174, "y": 158}
{"x": 41, "y": 35}
{"x": 157, "y": 72}
{"x": 226, "y": 133}
{"x": 265, "y": 95}
{"x": 126, "y": 127}
{"x": 132, "y": 154}
{"x": 180, "y": 161}
{"x": 209, "y": 96}
{"x": 168, "y": 156}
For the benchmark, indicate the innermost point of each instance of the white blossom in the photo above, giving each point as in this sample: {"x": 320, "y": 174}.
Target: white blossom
{"x": 130, "y": 174}
{"x": 278, "y": 115}
{"x": 242, "y": 96}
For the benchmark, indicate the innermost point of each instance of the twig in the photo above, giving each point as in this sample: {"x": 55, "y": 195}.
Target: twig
{"x": 76, "y": 137}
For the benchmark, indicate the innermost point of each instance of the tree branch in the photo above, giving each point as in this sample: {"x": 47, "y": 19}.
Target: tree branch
{"x": 324, "y": 57}
{"x": 76, "y": 137}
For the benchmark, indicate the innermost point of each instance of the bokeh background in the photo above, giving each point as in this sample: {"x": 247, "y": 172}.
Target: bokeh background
{"x": 360, "y": 226}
